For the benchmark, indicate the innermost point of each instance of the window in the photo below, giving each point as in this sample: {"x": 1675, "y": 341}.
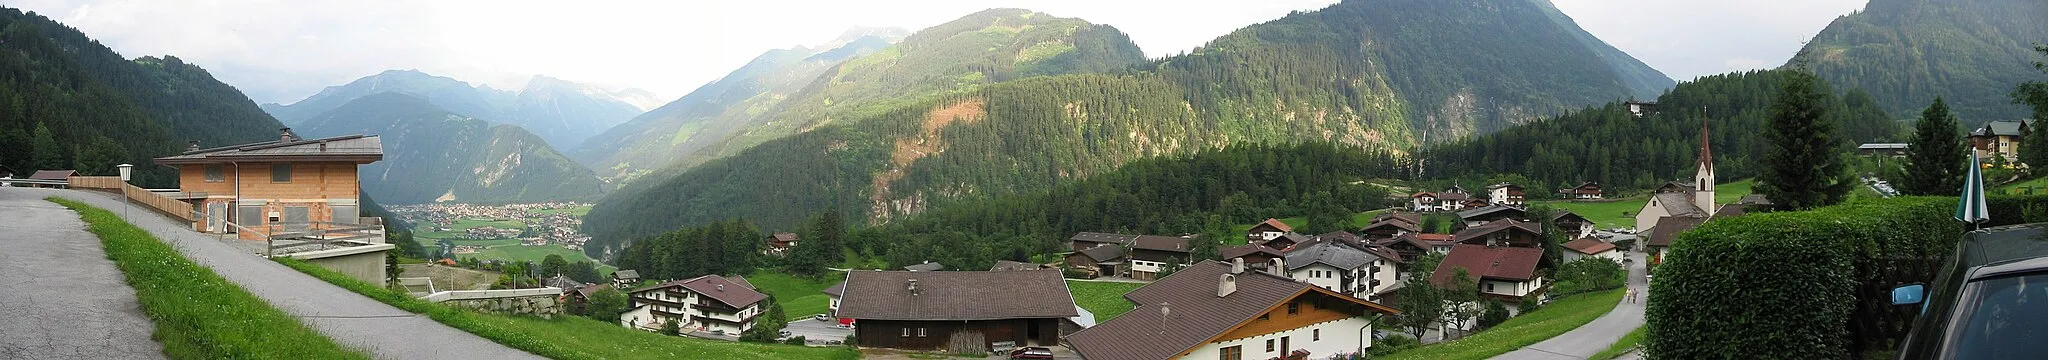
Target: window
{"x": 1266, "y": 316}
{"x": 1269, "y": 345}
{"x": 920, "y": 332}
{"x": 214, "y": 174}
{"x": 1489, "y": 287}
{"x": 281, "y": 172}
{"x": 1293, "y": 308}
{"x": 906, "y": 332}
{"x": 1315, "y": 335}
{"x": 1231, "y": 353}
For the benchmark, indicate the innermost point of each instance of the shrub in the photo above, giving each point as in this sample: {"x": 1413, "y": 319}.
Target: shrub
{"x": 1589, "y": 274}
{"x": 1529, "y": 303}
{"x": 1807, "y": 284}
{"x": 1494, "y": 315}
{"x": 1392, "y": 344}
{"x": 670, "y": 328}
{"x": 794, "y": 340}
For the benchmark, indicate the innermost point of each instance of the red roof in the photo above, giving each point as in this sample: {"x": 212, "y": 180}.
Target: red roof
{"x": 52, "y": 175}
{"x": 1504, "y": 263}
{"x": 1276, "y": 224}
{"x": 1589, "y": 246}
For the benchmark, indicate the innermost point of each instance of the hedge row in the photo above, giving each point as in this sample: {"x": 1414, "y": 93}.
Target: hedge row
{"x": 1803, "y": 285}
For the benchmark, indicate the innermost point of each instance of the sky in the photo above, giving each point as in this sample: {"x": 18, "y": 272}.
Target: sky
{"x": 285, "y": 50}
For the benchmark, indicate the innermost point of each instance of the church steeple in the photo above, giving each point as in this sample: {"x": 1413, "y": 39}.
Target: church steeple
{"x": 1703, "y": 193}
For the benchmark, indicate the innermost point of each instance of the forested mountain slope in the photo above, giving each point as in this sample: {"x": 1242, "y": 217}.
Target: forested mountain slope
{"x": 562, "y": 112}
{"x": 431, "y": 154}
{"x": 1324, "y": 76}
{"x": 68, "y": 102}
{"x": 1622, "y": 152}
{"x": 1905, "y": 52}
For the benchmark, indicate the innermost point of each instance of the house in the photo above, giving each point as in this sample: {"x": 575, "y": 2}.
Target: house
{"x": 956, "y": 311}
{"x": 1452, "y": 201}
{"x": 1665, "y": 231}
{"x": 1571, "y": 224}
{"x": 1006, "y": 265}
{"x": 1099, "y": 260}
{"x": 1255, "y": 256}
{"x": 1473, "y": 203}
{"x": 1214, "y": 310}
{"x": 2000, "y": 138}
{"x": 926, "y": 266}
{"x": 779, "y": 243}
{"x": 1491, "y": 213}
{"x": 51, "y": 175}
{"x": 1588, "y": 190}
{"x": 273, "y": 187}
{"x": 1505, "y": 232}
{"x": 562, "y": 282}
{"x": 6, "y": 173}
{"x": 709, "y": 303}
{"x": 1505, "y": 194}
{"x": 1388, "y": 229}
{"x": 1285, "y": 241}
{"x": 833, "y": 294}
{"x": 1590, "y": 247}
{"x": 1884, "y": 149}
{"x": 625, "y": 279}
{"x": 1345, "y": 268}
{"x": 1437, "y": 201}
{"x": 1640, "y": 108}
{"x": 1677, "y": 199}
{"x": 1151, "y": 254}
{"x": 1503, "y": 273}
{"x": 1267, "y": 230}
{"x": 577, "y": 299}
{"x": 1422, "y": 201}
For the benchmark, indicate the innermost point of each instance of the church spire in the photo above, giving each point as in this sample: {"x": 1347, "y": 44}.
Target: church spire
{"x": 1706, "y": 160}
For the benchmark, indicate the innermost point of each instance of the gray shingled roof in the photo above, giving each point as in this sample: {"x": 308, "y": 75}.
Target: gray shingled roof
{"x": 341, "y": 148}
{"x": 1489, "y": 209}
{"x": 1104, "y": 253}
{"x": 956, "y": 295}
{"x": 2000, "y": 128}
{"x": 1006, "y": 265}
{"x": 1332, "y": 253}
{"x": 1679, "y": 204}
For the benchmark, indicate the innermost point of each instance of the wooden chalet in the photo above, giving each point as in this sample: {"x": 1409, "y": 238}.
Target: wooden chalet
{"x": 956, "y": 311}
{"x": 1503, "y": 233}
{"x": 1267, "y": 230}
{"x": 284, "y": 186}
{"x": 1586, "y": 191}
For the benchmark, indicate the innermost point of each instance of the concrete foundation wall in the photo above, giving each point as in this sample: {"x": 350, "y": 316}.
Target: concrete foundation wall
{"x": 368, "y": 266}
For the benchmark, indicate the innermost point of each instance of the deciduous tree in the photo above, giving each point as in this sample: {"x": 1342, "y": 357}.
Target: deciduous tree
{"x": 2034, "y": 147}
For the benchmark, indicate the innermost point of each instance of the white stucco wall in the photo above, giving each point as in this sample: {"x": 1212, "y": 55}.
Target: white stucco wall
{"x": 1146, "y": 266}
{"x": 1388, "y": 275}
{"x": 1510, "y": 288}
{"x": 1307, "y": 274}
{"x": 1647, "y": 217}
{"x": 1338, "y": 337}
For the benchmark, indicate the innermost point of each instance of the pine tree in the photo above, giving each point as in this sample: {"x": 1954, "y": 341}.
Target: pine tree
{"x": 1802, "y": 167}
{"x": 1325, "y": 215}
{"x": 46, "y": 155}
{"x": 1934, "y": 159}
{"x": 2034, "y": 147}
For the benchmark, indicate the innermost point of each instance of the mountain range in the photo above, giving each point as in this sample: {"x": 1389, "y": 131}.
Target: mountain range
{"x": 432, "y": 154}
{"x": 563, "y": 112}
{"x": 1905, "y": 52}
{"x": 1381, "y": 74}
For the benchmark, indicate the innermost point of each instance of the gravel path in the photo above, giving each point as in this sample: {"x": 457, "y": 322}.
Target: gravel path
{"x": 349, "y": 318}
{"x": 63, "y": 298}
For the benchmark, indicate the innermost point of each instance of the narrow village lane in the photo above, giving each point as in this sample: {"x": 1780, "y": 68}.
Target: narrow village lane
{"x": 1595, "y": 336}
{"x": 64, "y": 298}
{"x": 350, "y": 319}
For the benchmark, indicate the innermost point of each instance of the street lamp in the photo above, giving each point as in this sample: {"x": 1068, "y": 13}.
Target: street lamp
{"x": 126, "y": 169}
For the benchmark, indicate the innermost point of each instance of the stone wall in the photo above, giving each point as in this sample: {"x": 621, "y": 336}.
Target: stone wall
{"x": 541, "y": 302}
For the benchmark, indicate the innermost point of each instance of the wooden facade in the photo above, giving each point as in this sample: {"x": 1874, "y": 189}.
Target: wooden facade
{"x": 956, "y": 336}
{"x": 250, "y": 198}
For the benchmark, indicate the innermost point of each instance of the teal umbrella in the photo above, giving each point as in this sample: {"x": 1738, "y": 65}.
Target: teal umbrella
{"x": 1972, "y": 209}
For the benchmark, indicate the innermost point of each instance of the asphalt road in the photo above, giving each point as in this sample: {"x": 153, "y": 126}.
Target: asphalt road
{"x": 1597, "y": 335}
{"x": 63, "y": 298}
{"x": 817, "y": 332}
{"x": 350, "y": 319}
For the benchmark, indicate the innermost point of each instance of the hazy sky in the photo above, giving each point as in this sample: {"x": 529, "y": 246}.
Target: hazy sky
{"x": 285, "y": 50}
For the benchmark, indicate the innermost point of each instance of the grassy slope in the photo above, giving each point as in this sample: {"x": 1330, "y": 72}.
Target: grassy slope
{"x": 1626, "y": 343}
{"x": 1105, "y": 299}
{"x": 1609, "y": 214}
{"x": 571, "y": 337}
{"x": 800, "y": 297}
{"x": 535, "y": 253}
{"x": 1550, "y": 321}
{"x": 578, "y": 210}
{"x": 198, "y": 314}
{"x": 2035, "y": 186}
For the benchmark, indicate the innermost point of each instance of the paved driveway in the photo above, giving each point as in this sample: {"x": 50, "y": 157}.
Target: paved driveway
{"x": 1599, "y": 334}
{"x": 817, "y": 332}
{"x": 349, "y": 318}
{"x": 63, "y": 298}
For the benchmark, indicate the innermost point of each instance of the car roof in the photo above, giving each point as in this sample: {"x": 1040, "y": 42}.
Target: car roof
{"x": 2004, "y": 244}
{"x": 2037, "y": 264}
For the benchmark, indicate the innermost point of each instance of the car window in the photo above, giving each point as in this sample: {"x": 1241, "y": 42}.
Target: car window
{"x": 2004, "y": 318}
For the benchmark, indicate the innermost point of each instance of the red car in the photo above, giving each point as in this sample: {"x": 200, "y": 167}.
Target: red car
{"x": 1031, "y": 353}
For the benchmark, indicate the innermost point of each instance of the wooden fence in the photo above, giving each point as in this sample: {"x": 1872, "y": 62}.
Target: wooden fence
{"x": 164, "y": 204}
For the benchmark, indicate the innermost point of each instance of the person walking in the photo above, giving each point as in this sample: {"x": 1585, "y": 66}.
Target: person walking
{"x": 1631, "y": 295}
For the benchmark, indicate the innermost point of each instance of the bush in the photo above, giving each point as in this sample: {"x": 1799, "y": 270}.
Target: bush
{"x": 1807, "y": 284}
{"x": 670, "y": 328}
{"x": 1392, "y": 344}
{"x": 2009, "y": 210}
{"x": 1529, "y": 303}
{"x": 1589, "y": 274}
{"x": 794, "y": 340}
{"x": 1494, "y": 315}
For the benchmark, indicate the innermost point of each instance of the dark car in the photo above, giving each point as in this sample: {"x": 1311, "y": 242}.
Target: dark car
{"x": 1989, "y": 302}
{"x": 1033, "y": 352}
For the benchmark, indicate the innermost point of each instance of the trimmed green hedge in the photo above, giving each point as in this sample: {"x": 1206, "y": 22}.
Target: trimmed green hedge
{"x": 1799, "y": 285}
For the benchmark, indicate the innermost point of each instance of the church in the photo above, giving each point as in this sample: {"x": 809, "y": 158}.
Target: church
{"x": 1679, "y": 206}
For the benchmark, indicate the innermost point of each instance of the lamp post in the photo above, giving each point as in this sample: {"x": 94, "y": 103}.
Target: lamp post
{"x": 126, "y": 169}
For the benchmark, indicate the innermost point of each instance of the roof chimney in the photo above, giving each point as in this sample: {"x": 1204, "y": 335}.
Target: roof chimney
{"x": 1226, "y": 284}
{"x": 1279, "y": 267}
{"x": 1237, "y": 265}
{"x": 913, "y": 287}
{"x": 192, "y": 146}
{"x": 721, "y": 287}
{"x": 285, "y": 135}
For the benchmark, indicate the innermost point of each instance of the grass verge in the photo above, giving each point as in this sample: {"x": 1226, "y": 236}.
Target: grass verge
{"x": 1627, "y": 342}
{"x": 1552, "y": 320}
{"x": 572, "y": 337}
{"x": 1105, "y": 299}
{"x": 198, "y": 314}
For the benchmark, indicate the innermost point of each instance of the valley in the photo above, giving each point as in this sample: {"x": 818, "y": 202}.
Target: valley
{"x": 509, "y": 232}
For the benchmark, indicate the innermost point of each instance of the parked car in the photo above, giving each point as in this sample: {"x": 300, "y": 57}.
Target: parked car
{"x": 782, "y": 334}
{"x": 1988, "y": 301}
{"x": 1033, "y": 352}
{"x": 821, "y": 317}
